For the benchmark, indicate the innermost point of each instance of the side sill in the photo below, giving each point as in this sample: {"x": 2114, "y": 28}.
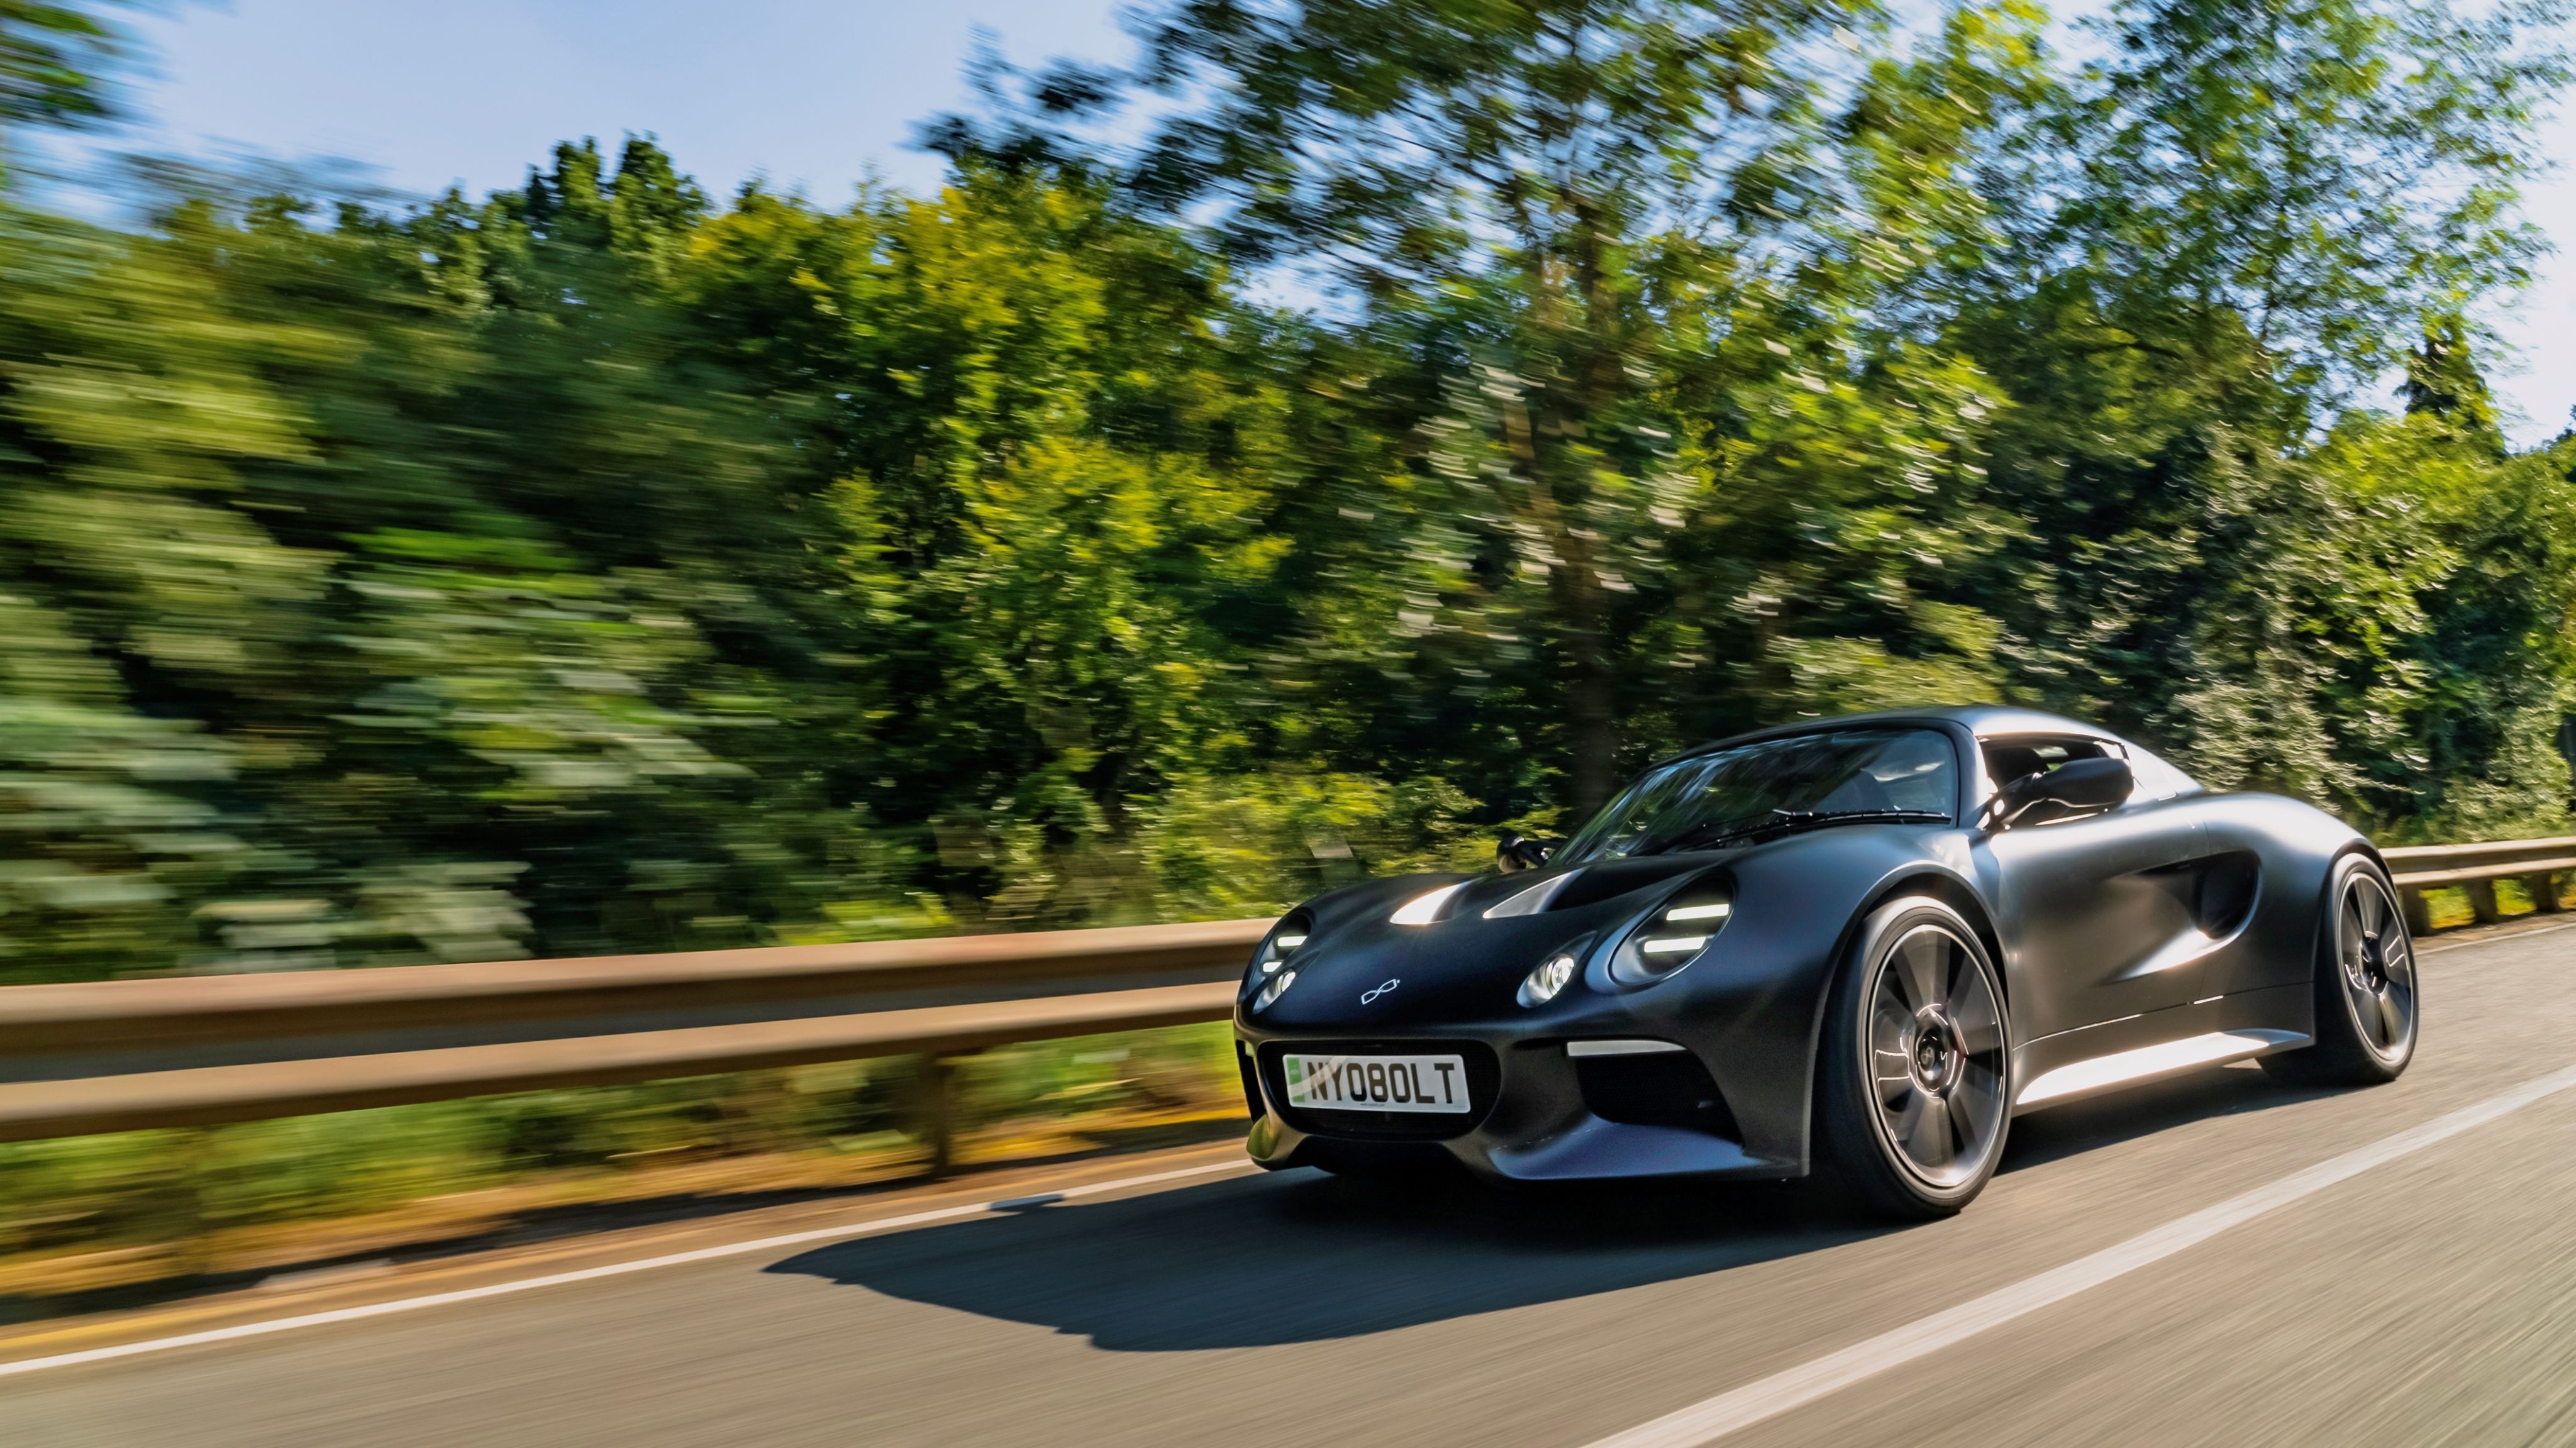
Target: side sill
{"x": 2146, "y": 1063}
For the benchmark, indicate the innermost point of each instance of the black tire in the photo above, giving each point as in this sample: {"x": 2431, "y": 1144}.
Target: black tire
{"x": 2368, "y": 998}
{"x": 1914, "y": 1085}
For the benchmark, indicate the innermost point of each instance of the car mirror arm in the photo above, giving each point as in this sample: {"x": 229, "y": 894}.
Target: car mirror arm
{"x": 2015, "y": 798}
{"x": 2083, "y": 784}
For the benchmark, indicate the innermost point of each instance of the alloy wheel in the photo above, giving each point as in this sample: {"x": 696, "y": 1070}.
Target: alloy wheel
{"x": 1935, "y": 1042}
{"x": 2378, "y": 964}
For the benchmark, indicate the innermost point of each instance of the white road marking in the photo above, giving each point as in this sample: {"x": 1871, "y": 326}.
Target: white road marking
{"x": 586, "y": 1274}
{"x": 1714, "y": 1418}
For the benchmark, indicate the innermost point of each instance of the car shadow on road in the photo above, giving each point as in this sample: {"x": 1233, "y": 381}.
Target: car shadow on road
{"x": 1301, "y": 1257}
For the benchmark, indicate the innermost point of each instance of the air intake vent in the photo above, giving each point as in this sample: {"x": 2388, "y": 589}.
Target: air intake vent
{"x": 1665, "y": 1088}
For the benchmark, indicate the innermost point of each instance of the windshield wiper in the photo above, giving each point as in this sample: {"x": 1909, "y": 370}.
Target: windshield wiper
{"x": 1782, "y": 821}
{"x": 1706, "y": 832}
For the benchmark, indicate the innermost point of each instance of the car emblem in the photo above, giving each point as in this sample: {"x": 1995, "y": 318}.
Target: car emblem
{"x": 1367, "y": 996}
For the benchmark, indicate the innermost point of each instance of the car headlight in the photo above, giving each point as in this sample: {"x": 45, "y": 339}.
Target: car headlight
{"x": 1552, "y": 976}
{"x": 1676, "y": 934}
{"x": 1271, "y": 971}
{"x": 1283, "y": 943}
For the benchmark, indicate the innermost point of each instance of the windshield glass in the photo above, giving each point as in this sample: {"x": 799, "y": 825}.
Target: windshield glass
{"x": 1690, "y": 801}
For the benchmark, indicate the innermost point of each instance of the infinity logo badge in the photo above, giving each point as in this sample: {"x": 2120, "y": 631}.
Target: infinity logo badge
{"x": 1367, "y": 996}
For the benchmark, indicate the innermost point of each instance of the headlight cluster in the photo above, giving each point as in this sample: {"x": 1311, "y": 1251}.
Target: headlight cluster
{"x": 1271, "y": 972}
{"x": 1676, "y": 934}
{"x": 1552, "y": 976}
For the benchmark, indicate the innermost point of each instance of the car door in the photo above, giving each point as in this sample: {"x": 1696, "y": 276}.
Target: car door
{"x": 2094, "y": 912}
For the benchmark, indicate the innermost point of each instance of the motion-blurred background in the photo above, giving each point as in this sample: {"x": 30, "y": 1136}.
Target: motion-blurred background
{"x": 1305, "y": 445}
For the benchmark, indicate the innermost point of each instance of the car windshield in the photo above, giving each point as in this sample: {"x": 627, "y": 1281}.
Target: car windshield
{"x": 1695, "y": 802}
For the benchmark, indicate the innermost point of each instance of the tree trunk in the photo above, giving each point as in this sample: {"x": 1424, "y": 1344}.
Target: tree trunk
{"x": 1574, "y": 588}
{"x": 1596, "y": 719}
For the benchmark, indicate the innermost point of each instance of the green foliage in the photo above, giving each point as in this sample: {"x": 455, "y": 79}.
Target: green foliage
{"x": 598, "y": 566}
{"x": 2206, "y": 243}
{"x": 52, "y": 61}
{"x": 1620, "y": 264}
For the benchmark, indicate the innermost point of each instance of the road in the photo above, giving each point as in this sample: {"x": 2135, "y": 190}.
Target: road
{"x": 2428, "y": 1299}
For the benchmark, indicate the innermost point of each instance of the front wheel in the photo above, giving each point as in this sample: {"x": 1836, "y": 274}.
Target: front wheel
{"x": 2366, "y": 1000}
{"x": 1913, "y": 1094}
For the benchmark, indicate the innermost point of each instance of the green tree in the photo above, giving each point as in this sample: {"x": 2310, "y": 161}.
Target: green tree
{"x": 1657, "y": 447}
{"x": 597, "y": 566}
{"x": 55, "y": 63}
{"x": 1046, "y": 476}
{"x": 2208, "y": 241}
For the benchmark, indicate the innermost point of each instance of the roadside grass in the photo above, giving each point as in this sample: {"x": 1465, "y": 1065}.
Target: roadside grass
{"x": 90, "y": 1219}
{"x": 2450, "y": 908}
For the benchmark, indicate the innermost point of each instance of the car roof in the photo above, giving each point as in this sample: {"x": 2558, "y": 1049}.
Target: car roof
{"x": 1985, "y": 721}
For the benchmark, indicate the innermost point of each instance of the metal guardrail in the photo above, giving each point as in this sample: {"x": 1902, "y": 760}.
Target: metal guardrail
{"x": 201, "y": 1050}
{"x": 2474, "y": 869}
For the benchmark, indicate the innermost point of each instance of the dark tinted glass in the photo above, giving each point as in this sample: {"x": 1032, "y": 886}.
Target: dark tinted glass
{"x": 1691, "y": 799}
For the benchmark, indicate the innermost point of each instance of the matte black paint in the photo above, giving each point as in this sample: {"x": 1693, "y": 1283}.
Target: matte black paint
{"x": 2153, "y": 921}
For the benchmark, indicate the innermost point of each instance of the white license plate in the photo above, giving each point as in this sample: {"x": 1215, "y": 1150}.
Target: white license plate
{"x": 1377, "y": 1083}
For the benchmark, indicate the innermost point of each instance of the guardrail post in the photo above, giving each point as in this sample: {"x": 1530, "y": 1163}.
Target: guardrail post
{"x": 2543, "y": 889}
{"x": 180, "y": 1215}
{"x": 2482, "y": 901}
{"x": 2419, "y": 915}
{"x": 938, "y": 1081}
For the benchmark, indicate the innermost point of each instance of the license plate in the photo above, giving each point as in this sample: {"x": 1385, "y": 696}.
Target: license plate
{"x": 1377, "y": 1083}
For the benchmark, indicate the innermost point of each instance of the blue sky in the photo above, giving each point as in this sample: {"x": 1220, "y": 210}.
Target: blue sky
{"x": 811, "y": 91}
{"x": 805, "y": 92}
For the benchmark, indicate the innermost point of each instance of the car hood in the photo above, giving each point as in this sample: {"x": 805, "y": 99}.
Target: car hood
{"x": 1468, "y": 963}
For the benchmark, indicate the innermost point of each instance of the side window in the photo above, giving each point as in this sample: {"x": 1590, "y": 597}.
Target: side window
{"x": 2010, "y": 759}
{"x": 2157, "y": 779}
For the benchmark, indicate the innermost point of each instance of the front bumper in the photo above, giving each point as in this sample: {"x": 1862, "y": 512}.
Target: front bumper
{"x": 1536, "y": 1112}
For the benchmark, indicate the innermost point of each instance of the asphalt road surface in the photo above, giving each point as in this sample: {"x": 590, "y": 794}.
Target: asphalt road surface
{"x": 2427, "y": 1296}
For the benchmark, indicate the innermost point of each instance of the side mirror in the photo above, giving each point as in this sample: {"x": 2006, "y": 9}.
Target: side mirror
{"x": 1518, "y": 853}
{"x": 2078, "y": 784}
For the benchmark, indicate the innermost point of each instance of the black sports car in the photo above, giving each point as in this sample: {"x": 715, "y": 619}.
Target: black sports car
{"x": 1859, "y": 945}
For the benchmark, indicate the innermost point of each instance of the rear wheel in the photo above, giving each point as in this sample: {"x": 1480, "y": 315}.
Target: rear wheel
{"x": 2366, "y": 999}
{"x": 1913, "y": 1095}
